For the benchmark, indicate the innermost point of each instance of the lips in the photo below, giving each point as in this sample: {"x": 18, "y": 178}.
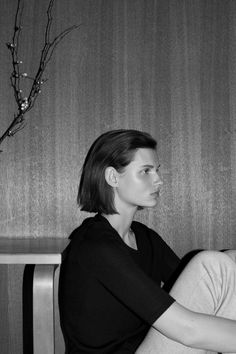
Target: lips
{"x": 156, "y": 193}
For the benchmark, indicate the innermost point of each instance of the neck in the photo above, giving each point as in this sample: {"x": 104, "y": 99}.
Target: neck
{"x": 121, "y": 222}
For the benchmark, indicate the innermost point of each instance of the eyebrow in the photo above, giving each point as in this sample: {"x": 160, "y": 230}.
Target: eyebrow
{"x": 152, "y": 166}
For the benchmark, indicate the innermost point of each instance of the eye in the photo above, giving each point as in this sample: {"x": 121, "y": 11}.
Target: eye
{"x": 158, "y": 168}
{"x": 146, "y": 171}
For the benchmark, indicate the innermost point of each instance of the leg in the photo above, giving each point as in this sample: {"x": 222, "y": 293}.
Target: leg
{"x": 207, "y": 285}
{"x": 43, "y": 309}
{"x": 231, "y": 254}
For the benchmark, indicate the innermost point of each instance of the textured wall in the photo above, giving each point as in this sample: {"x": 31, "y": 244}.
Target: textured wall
{"x": 167, "y": 67}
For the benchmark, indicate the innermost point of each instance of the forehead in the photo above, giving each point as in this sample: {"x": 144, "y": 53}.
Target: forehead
{"x": 144, "y": 156}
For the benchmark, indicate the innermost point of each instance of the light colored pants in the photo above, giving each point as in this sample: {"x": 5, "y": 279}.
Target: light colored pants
{"x": 207, "y": 285}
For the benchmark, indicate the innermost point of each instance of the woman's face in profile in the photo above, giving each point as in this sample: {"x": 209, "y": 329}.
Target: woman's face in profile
{"x": 139, "y": 184}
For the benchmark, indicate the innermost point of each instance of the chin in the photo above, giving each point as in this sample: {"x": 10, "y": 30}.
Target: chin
{"x": 151, "y": 204}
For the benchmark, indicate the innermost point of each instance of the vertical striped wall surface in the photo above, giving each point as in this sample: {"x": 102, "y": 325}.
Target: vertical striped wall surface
{"x": 167, "y": 67}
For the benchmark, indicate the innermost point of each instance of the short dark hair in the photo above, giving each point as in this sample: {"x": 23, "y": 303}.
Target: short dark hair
{"x": 114, "y": 148}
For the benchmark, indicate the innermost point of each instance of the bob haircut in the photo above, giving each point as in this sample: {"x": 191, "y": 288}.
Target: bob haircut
{"x": 116, "y": 148}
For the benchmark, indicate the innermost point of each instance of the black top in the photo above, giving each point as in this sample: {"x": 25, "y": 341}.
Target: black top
{"x": 109, "y": 293}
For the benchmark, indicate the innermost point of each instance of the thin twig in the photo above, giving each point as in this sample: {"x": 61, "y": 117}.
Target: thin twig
{"x": 25, "y": 104}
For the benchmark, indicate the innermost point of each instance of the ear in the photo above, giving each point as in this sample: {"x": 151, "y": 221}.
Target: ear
{"x": 111, "y": 176}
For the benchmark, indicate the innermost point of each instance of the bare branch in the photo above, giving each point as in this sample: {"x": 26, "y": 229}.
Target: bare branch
{"x": 25, "y": 104}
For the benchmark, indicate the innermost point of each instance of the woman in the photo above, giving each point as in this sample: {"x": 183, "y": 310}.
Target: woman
{"x": 110, "y": 297}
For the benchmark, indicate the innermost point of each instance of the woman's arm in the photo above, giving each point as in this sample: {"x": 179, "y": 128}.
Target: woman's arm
{"x": 197, "y": 330}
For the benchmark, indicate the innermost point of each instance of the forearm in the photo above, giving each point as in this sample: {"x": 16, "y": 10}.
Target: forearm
{"x": 213, "y": 333}
{"x": 197, "y": 330}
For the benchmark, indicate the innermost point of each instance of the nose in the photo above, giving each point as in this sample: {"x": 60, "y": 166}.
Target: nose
{"x": 157, "y": 180}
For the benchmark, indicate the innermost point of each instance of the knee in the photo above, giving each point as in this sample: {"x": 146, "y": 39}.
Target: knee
{"x": 210, "y": 255}
{"x": 231, "y": 254}
{"x": 213, "y": 259}
{"x": 210, "y": 258}
{"x": 207, "y": 255}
